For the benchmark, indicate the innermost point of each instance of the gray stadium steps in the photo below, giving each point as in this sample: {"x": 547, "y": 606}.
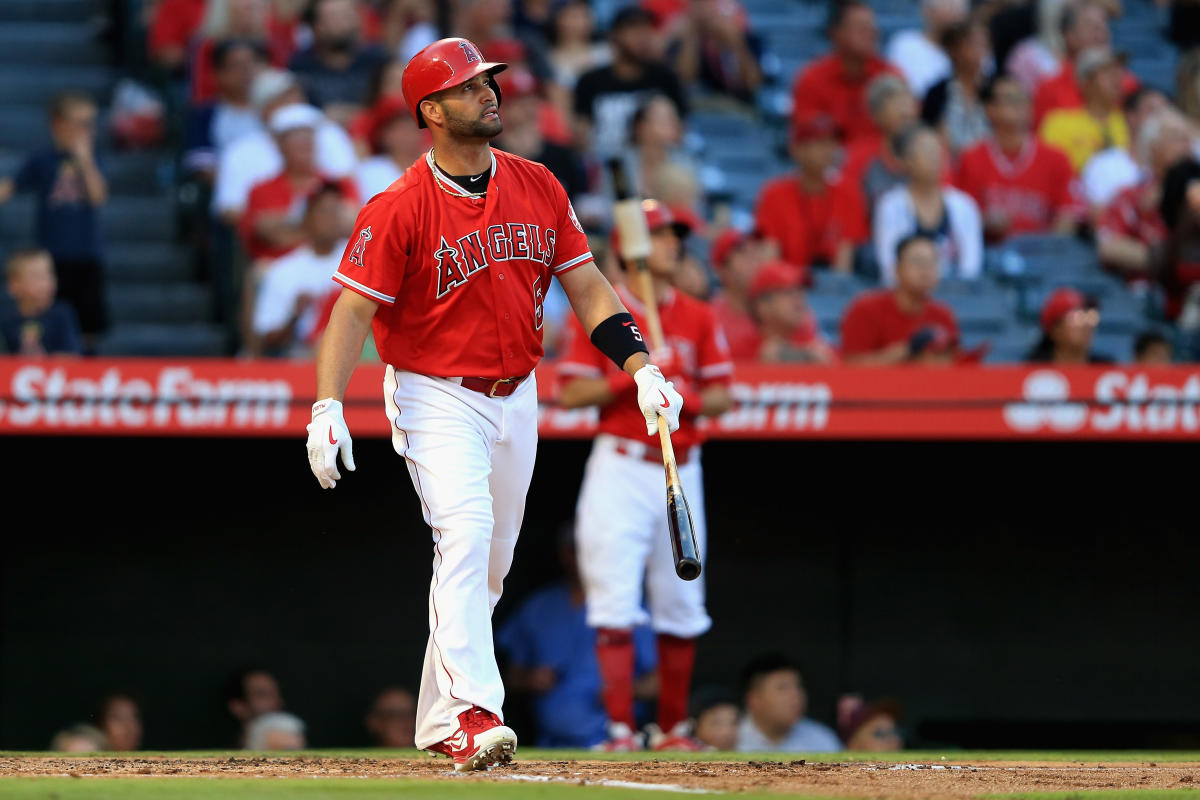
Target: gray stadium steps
{"x": 160, "y": 303}
{"x": 51, "y": 44}
{"x": 155, "y": 339}
{"x": 35, "y": 10}
{"x": 151, "y": 262}
{"x": 24, "y": 86}
{"x": 140, "y": 219}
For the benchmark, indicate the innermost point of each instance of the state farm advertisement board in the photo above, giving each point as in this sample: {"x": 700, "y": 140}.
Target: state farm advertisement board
{"x": 219, "y": 397}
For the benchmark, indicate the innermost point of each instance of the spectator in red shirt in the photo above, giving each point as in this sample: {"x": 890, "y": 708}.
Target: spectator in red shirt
{"x": 1130, "y": 232}
{"x": 903, "y": 324}
{"x": 173, "y": 24}
{"x": 1084, "y": 25}
{"x": 1069, "y": 321}
{"x": 836, "y": 84}
{"x": 1021, "y": 184}
{"x": 817, "y": 219}
{"x": 787, "y": 329}
{"x": 735, "y": 257}
{"x": 872, "y": 164}
{"x": 271, "y": 224}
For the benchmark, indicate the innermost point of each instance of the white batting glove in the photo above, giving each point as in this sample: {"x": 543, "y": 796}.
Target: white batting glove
{"x": 657, "y": 398}
{"x": 328, "y": 436}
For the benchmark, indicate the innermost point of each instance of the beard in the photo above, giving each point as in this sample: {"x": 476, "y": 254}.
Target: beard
{"x": 473, "y": 127}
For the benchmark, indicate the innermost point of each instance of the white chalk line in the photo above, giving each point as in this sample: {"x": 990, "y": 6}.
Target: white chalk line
{"x": 607, "y": 782}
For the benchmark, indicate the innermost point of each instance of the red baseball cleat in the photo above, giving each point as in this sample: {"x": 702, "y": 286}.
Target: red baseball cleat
{"x": 679, "y": 738}
{"x": 481, "y": 741}
{"x": 621, "y": 739}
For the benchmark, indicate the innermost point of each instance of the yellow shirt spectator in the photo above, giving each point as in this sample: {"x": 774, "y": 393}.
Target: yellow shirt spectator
{"x": 1080, "y": 135}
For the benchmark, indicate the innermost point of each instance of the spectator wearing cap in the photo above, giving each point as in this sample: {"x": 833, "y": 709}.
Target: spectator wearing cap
{"x": 776, "y": 707}
{"x": 1084, "y": 26}
{"x": 715, "y": 713}
{"x": 872, "y": 165}
{"x": 713, "y": 47}
{"x": 735, "y": 257}
{"x": 919, "y": 54}
{"x": 551, "y": 658}
{"x": 336, "y": 69}
{"x": 869, "y": 727}
{"x": 953, "y": 105}
{"x": 1069, "y": 320}
{"x": 903, "y": 324}
{"x": 1151, "y": 348}
{"x": 1020, "y": 183}
{"x": 1116, "y": 168}
{"x": 836, "y": 83}
{"x": 787, "y": 329}
{"x": 1083, "y": 131}
{"x": 816, "y": 217}
{"x": 1130, "y": 231}
{"x": 523, "y": 133}
{"x": 925, "y": 206}
{"x": 606, "y": 97}
{"x": 255, "y": 157}
{"x": 255, "y": 20}
{"x": 212, "y": 127}
{"x": 396, "y": 143}
{"x": 287, "y": 301}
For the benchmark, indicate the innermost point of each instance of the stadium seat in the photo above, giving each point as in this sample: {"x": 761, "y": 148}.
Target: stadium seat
{"x": 831, "y": 282}
{"x": 138, "y": 219}
{"x": 148, "y": 262}
{"x": 158, "y": 302}
{"x": 156, "y": 339}
{"x": 980, "y": 313}
{"x": 63, "y": 43}
{"x": 26, "y": 86}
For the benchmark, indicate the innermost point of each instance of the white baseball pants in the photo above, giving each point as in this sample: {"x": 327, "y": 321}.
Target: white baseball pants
{"x": 470, "y": 458}
{"x": 622, "y": 540}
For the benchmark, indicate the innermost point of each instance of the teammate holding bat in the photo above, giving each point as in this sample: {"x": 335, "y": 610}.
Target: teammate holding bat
{"x": 621, "y": 524}
{"x": 448, "y": 267}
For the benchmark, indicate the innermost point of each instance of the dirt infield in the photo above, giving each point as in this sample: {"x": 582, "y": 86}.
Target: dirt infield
{"x": 919, "y": 781}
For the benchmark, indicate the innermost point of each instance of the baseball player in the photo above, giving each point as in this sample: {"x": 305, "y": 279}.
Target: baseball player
{"x": 621, "y": 523}
{"x": 448, "y": 267}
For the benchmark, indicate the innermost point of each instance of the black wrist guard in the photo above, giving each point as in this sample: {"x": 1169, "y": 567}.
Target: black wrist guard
{"x": 618, "y": 338}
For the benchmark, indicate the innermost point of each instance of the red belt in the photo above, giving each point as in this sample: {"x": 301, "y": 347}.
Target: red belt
{"x": 651, "y": 453}
{"x": 493, "y": 387}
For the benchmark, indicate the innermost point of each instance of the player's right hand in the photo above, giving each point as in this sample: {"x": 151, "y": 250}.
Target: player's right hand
{"x": 657, "y": 398}
{"x": 328, "y": 436}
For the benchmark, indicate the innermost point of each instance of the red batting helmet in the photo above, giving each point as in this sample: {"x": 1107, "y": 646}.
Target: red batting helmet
{"x": 445, "y": 63}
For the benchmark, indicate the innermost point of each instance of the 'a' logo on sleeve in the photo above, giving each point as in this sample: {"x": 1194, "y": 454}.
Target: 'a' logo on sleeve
{"x": 356, "y": 255}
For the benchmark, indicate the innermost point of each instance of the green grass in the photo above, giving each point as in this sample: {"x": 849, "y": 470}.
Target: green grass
{"x": 531, "y": 754}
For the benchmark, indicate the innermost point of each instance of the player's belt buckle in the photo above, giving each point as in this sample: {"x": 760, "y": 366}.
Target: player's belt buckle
{"x": 492, "y": 391}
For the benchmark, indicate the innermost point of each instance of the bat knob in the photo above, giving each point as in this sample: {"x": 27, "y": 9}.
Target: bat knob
{"x": 687, "y": 568}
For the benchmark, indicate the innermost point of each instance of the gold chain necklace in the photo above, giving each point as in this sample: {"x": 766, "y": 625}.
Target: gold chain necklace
{"x": 441, "y": 184}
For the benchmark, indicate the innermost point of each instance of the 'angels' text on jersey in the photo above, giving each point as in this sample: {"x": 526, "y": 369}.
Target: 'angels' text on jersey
{"x": 458, "y": 261}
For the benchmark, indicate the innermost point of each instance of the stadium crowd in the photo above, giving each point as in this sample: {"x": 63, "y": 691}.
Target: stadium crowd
{"x": 914, "y": 160}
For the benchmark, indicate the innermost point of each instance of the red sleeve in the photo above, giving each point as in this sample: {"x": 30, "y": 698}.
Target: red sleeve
{"x": 377, "y": 254}
{"x": 1119, "y": 217}
{"x": 804, "y": 97}
{"x": 859, "y": 332}
{"x": 1067, "y": 192}
{"x": 714, "y": 363}
{"x": 580, "y": 358}
{"x": 765, "y": 220}
{"x": 255, "y": 203}
{"x": 571, "y": 248}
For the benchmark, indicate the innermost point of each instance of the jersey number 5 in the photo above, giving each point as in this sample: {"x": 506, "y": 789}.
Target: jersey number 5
{"x": 538, "y": 300}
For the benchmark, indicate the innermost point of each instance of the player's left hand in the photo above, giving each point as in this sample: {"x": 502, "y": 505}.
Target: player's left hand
{"x": 657, "y": 398}
{"x": 328, "y": 436}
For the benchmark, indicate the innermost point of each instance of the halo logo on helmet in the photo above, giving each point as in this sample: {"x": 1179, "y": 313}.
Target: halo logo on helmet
{"x": 441, "y": 65}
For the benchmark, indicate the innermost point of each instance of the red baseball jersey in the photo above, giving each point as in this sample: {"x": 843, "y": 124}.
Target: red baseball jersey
{"x": 875, "y": 321}
{"x": 810, "y": 227}
{"x": 1031, "y": 189}
{"x": 278, "y": 195}
{"x": 698, "y": 356}
{"x": 461, "y": 277}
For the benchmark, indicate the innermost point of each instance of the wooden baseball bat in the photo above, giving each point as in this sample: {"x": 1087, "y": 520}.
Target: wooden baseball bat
{"x": 635, "y": 246}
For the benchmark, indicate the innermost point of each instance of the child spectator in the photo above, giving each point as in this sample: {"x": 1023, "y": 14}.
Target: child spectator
{"x": 713, "y": 48}
{"x": 836, "y": 83}
{"x": 396, "y": 142}
{"x": 392, "y": 720}
{"x": 903, "y": 324}
{"x": 1152, "y": 349}
{"x": 1083, "y": 131}
{"x": 817, "y": 218}
{"x": 1021, "y": 184}
{"x": 121, "y": 721}
{"x": 285, "y": 304}
{"x": 924, "y": 206}
{"x": 869, "y": 727}
{"x": 336, "y": 69}
{"x": 36, "y": 324}
{"x": 953, "y": 105}
{"x": 776, "y": 707}
{"x": 606, "y": 97}
{"x": 70, "y": 191}
{"x": 919, "y": 54}
{"x": 787, "y": 329}
{"x": 715, "y": 711}
{"x": 1069, "y": 321}
{"x": 213, "y": 126}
